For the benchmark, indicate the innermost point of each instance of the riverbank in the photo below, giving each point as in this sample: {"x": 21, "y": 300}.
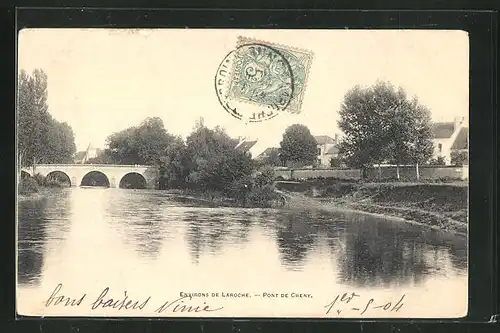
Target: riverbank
{"x": 42, "y": 193}
{"x": 439, "y": 206}
{"x": 262, "y": 198}
{"x": 36, "y": 188}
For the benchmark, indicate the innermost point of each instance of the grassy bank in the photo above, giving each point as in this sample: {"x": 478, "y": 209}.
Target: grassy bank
{"x": 442, "y": 206}
{"x": 32, "y": 188}
{"x": 256, "y": 198}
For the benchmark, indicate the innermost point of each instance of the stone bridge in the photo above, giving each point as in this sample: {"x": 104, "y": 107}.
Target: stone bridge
{"x": 113, "y": 173}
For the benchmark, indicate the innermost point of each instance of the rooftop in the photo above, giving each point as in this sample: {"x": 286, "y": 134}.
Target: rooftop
{"x": 245, "y": 146}
{"x": 322, "y": 139}
{"x": 443, "y": 130}
{"x": 462, "y": 139}
{"x": 267, "y": 151}
{"x": 333, "y": 150}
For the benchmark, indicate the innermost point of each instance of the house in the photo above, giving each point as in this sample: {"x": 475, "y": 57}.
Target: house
{"x": 450, "y": 137}
{"x": 327, "y": 149}
{"x": 266, "y": 153}
{"x": 80, "y": 157}
{"x": 245, "y": 146}
{"x": 83, "y": 156}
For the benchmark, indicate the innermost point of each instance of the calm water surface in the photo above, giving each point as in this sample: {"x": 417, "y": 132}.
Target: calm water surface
{"x": 152, "y": 243}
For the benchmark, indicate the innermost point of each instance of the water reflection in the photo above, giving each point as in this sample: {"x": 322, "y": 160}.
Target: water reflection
{"x": 353, "y": 249}
{"x": 39, "y": 221}
{"x": 375, "y": 255}
{"x": 139, "y": 219}
{"x": 209, "y": 231}
{"x": 32, "y": 237}
{"x": 296, "y": 238}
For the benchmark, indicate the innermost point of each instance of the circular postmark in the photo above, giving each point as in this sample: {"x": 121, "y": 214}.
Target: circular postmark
{"x": 254, "y": 82}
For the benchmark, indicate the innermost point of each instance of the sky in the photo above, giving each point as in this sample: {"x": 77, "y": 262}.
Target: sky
{"x": 101, "y": 81}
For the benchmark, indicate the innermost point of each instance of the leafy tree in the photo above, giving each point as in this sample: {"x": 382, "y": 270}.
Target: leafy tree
{"x": 335, "y": 162}
{"x": 298, "y": 145}
{"x": 381, "y": 125}
{"x": 174, "y": 162}
{"x": 410, "y": 134}
{"x": 144, "y": 144}
{"x": 226, "y": 168}
{"x": 41, "y": 139}
{"x": 206, "y": 152}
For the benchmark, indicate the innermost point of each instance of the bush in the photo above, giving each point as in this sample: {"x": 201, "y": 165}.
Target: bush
{"x": 28, "y": 186}
{"x": 264, "y": 176}
{"x": 40, "y": 180}
{"x": 459, "y": 158}
{"x": 54, "y": 183}
{"x": 264, "y": 196}
{"x": 437, "y": 161}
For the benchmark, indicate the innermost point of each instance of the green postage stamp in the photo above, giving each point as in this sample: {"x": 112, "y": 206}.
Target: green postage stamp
{"x": 269, "y": 75}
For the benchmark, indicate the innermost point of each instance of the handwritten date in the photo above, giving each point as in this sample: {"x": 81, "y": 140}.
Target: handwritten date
{"x": 354, "y": 302}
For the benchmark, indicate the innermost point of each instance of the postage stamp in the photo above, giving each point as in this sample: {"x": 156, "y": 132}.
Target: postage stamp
{"x": 269, "y": 75}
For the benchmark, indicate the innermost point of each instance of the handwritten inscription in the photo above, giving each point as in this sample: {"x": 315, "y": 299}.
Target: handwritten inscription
{"x": 182, "y": 304}
{"x": 178, "y": 305}
{"x": 345, "y": 302}
{"x": 58, "y": 299}
{"x": 116, "y": 303}
{"x": 198, "y": 302}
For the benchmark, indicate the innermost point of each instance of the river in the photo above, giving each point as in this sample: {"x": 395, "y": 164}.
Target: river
{"x": 154, "y": 244}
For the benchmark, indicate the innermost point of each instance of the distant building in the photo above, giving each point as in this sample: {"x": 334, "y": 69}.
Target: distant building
{"x": 80, "y": 157}
{"x": 450, "y": 137}
{"x": 327, "y": 149}
{"x": 245, "y": 146}
{"x": 266, "y": 153}
{"x": 83, "y": 156}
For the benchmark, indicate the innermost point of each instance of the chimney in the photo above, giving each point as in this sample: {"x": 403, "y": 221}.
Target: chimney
{"x": 336, "y": 139}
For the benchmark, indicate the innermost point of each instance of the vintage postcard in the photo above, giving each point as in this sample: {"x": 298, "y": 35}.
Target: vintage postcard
{"x": 242, "y": 173}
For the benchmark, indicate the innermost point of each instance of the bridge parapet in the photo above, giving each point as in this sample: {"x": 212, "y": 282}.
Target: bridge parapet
{"x": 92, "y": 165}
{"x": 113, "y": 172}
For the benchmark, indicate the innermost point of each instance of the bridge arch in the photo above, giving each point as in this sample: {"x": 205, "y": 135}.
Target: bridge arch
{"x": 58, "y": 178}
{"x": 95, "y": 178}
{"x": 133, "y": 180}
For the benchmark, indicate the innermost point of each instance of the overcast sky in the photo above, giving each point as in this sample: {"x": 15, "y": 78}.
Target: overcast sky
{"x": 101, "y": 81}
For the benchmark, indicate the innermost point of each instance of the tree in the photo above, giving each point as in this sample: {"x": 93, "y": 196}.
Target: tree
{"x": 41, "y": 139}
{"x": 225, "y": 169}
{"x": 364, "y": 121}
{"x": 459, "y": 157}
{"x": 410, "y": 134}
{"x": 173, "y": 164}
{"x": 144, "y": 144}
{"x": 381, "y": 125}
{"x": 205, "y": 149}
{"x": 298, "y": 145}
{"x": 335, "y": 162}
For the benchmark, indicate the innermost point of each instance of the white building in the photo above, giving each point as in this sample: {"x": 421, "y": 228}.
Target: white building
{"x": 83, "y": 156}
{"x": 326, "y": 148}
{"x": 449, "y": 137}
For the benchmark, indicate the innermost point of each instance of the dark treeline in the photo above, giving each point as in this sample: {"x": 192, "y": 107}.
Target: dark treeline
{"x": 41, "y": 138}
{"x": 206, "y": 161}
